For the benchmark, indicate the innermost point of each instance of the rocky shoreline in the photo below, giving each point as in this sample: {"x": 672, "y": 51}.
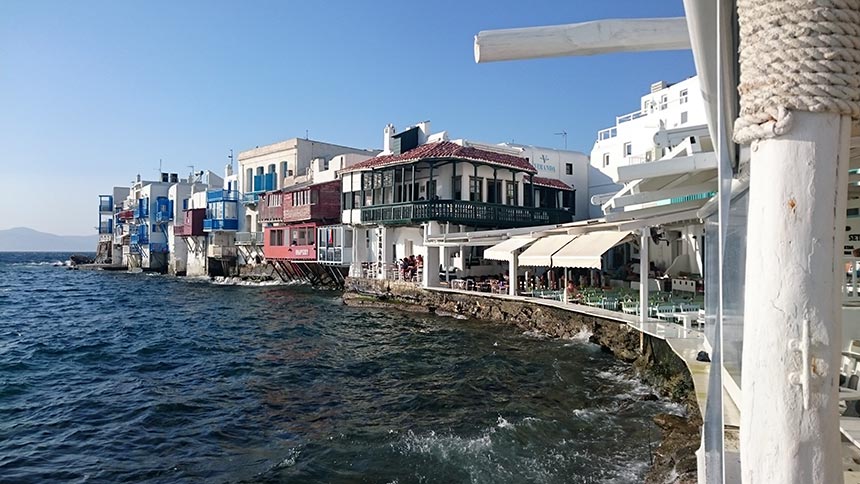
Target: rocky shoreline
{"x": 657, "y": 365}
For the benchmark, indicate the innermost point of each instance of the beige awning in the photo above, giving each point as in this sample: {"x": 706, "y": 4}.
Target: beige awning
{"x": 587, "y": 249}
{"x": 541, "y": 252}
{"x": 503, "y": 250}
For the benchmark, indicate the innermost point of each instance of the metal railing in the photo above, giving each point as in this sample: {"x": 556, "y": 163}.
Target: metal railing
{"x": 463, "y": 212}
{"x": 630, "y": 116}
{"x": 249, "y": 238}
{"x": 331, "y": 255}
{"x": 222, "y": 195}
{"x": 385, "y": 270}
{"x": 215, "y": 224}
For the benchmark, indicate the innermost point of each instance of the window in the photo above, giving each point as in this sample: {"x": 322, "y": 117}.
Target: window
{"x": 259, "y": 170}
{"x": 664, "y": 101}
{"x": 648, "y": 156}
{"x": 512, "y": 193}
{"x": 249, "y": 180}
{"x": 184, "y": 204}
{"x": 605, "y": 159}
{"x": 314, "y": 197}
{"x": 476, "y": 189}
{"x": 356, "y": 199}
{"x": 683, "y": 117}
{"x": 457, "y": 188}
{"x": 568, "y": 169}
{"x": 284, "y": 168}
{"x": 347, "y": 201}
{"x": 628, "y": 149}
{"x": 684, "y": 96}
{"x": 276, "y": 237}
{"x": 568, "y": 200}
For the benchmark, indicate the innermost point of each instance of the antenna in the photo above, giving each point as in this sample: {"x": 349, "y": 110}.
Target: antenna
{"x": 159, "y": 167}
{"x": 306, "y": 134}
{"x": 563, "y": 134}
{"x": 192, "y": 175}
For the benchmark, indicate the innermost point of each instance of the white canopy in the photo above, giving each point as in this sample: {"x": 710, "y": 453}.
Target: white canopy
{"x": 503, "y": 250}
{"x": 587, "y": 249}
{"x": 541, "y": 252}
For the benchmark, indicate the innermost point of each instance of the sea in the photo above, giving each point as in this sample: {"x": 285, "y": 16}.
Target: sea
{"x": 110, "y": 377}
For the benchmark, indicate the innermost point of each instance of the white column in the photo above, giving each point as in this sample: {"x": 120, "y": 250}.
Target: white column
{"x": 564, "y": 288}
{"x": 513, "y": 268}
{"x": 644, "y": 240}
{"x": 792, "y": 310}
{"x": 430, "y": 274}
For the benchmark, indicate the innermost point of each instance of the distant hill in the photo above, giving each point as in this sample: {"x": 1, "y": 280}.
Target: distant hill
{"x": 22, "y": 239}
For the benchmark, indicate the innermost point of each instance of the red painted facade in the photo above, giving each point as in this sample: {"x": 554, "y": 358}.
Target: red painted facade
{"x": 291, "y": 242}
{"x": 270, "y": 207}
{"x": 192, "y": 225}
{"x": 320, "y": 202}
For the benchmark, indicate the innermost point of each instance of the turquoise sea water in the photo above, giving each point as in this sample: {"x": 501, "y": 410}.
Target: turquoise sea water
{"x": 115, "y": 377}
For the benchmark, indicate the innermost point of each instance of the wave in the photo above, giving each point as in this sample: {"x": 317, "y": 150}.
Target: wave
{"x": 56, "y": 263}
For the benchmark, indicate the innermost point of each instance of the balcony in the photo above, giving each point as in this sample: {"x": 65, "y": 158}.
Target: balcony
{"x": 220, "y": 224}
{"x": 476, "y": 214}
{"x": 222, "y": 195}
{"x": 125, "y": 215}
{"x": 249, "y": 238}
{"x": 250, "y": 198}
{"x": 105, "y": 203}
{"x": 163, "y": 210}
{"x": 219, "y": 252}
{"x": 631, "y": 116}
{"x": 142, "y": 209}
{"x": 193, "y": 224}
{"x": 607, "y": 133}
{"x": 138, "y": 238}
{"x": 106, "y": 227}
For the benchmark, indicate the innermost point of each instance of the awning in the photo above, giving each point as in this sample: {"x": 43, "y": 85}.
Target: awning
{"x": 503, "y": 250}
{"x": 587, "y": 249}
{"x": 541, "y": 252}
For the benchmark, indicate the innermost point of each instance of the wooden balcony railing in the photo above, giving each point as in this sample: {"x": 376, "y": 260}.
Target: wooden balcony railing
{"x": 475, "y": 214}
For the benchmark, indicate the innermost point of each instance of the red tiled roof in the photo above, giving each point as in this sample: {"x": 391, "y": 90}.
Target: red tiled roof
{"x": 446, "y": 150}
{"x": 551, "y": 183}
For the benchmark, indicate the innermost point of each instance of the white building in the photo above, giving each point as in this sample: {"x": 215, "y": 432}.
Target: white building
{"x": 641, "y": 136}
{"x": 424, "y": 184}
{"x": 186, "y": 239}
{"x": 267, "y": 168}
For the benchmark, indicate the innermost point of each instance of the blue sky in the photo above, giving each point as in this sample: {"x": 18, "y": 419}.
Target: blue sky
{"x": 92, "y": 93}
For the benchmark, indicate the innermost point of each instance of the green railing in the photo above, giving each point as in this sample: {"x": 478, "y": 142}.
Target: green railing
{"x": 463, "y": 212}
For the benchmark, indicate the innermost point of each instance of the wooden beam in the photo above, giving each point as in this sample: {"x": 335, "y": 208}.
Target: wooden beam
{"x": 581, "y": 39}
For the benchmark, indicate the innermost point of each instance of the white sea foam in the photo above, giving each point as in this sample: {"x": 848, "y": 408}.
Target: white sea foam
{"x": 535, "y": 334}
{"x": 445, "y": 446}
{"x": 503, "y": 424}
{"x": 584, "y": 335}
{"x": 237, "y": 281}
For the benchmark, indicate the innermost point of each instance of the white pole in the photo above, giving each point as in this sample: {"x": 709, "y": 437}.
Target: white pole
{"x": 644, "y": 237}
{"x": 792, "y": 303}
{"x": 565, "y": 286}
{"x": 586, "y": 38}
{"x": 513, "y": 268}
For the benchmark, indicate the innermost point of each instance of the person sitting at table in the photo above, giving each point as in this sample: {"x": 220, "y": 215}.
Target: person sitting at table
{"x": 572, "y": 291}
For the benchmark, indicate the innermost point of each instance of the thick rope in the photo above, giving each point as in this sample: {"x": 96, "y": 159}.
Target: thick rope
{"x": 796, "y": 55}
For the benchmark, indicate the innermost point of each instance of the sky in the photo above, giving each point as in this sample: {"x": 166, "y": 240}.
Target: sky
{"x": 93, "y": 93}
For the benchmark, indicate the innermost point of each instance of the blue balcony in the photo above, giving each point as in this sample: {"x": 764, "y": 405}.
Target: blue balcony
{"x": 138, "y": 238}
{"x": 220, "y": 224}
{"x": 163, "y": 210}
{"x": 106, "y": 227}
{"x": 250, "y": 197}
{"x": 105, "y": 203}
{"x": 222, "y": 195}
{"x": 142, "y": 209}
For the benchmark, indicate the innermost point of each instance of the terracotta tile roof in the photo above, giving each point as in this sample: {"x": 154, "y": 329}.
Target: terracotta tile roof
{"x": 551, "y": 183}
{"x": 446, "y": 150}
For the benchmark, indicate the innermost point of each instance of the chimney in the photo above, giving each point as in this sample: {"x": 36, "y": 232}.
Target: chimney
{"x": 658, "y": 86}
{"x": 387, "y": 133}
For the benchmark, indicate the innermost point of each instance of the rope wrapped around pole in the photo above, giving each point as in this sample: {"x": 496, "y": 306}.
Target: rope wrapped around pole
{"x": 796, "y": 55}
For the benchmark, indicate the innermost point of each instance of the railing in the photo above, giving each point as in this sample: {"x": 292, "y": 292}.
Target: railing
{"x": 249, "y": 238}
{"x": 331, "y": 255}
{"x": 220, "y": 252}
{"x": 463, "y": 212}
{"x": 252, "y": 197}
{"x": 607, "y": 133}
{"x": 222, "y": 195}
{"x": 139, "y": 238}
{"x": 211, "y": 224}
{"x": 141, "y": 211}
{"x": 387, "y": 271}
{"x": 630, "y": 116}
